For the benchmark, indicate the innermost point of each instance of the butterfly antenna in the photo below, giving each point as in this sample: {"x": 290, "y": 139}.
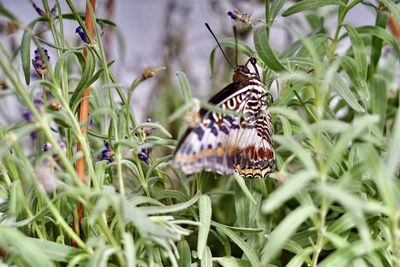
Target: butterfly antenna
{"x": 219, "y": 45}
{"x": 236, "y": 45}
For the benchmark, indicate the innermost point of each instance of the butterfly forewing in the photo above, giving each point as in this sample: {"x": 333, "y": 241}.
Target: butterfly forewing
{"x": 224, "y": 143}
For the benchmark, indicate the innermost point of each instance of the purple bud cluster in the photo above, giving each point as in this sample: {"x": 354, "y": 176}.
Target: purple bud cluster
{"x": 39, "y": 63}
{"x": 144, "y": 154}
{"x": 107, "y": 153}
{"x": 82, "y": 34}
{"x": 42, "y": 13}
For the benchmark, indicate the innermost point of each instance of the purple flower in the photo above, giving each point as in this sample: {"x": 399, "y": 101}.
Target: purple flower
{"x": 91, "y": 123}
{"x": 236, "y": 15}
{"x": 39, "y": 10}
{"x": 28, "y": 116}
{"x": 38, "y": 103}
{"x": 34, "y": 135}
{"x": 144, "y": 154}
{"x": 82, "y": 34}
{"x": 107, "y": 153}
{"x": 40, "y": 64}
{"x": 53, "y": 10}
{"x": 46, "y": 147}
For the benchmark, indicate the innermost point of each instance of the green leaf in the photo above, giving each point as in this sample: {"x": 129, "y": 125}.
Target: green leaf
{"x": 358, "y": 127}
{"x": 26, "y": 53}
{"x": 293, "y": 146}
{"x": 150, "y": 210}
{"x": 392, "y": 159}
{"x": 246, "y": 211}
{"x": 379, "y": 97}
{"x": 381, "y": 34}
{"x": 276, "y": 6}
{"x": 246, "y": 248}
{"x": 264, "y": 50}
{"x": 242, "y": 46}
{"x": 310, "y": 4}
{"x": 89, "y": 66}
{"x": 185, "y": 258}
{"x": 344, "y": 91}
{"x": 26, "y": 249}
{"x": 6, "y": 13}
{"x": 232, "y": 262}
{"x": 129, "y": 249}
{"x": 360, "y": 57}
{"x": 355, "y": 249}
{"x": 242, "y": 184}
{"x": 185, "y": 87}
{"x": 53, "y": 250}
{"x": 284, "y": 231}
{"x": 207, "y": 260}
{"x": 299, "y": 259}
{"x": 14, "y": 199}
{"x": 205, "y": 211}
{"x": 294, "y": 184}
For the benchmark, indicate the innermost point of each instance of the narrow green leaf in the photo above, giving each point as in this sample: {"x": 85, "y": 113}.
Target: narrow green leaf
{"x": 89, "y": 66}
{"x": 129, "y": 249}
{"x": 27, "y": 250}
{"x": 212, "y": 63}
{"x": 294, "y": 184}
{"x": 379, "y": 97}
{"x": 185, "y": 87}
{"x": 205, "y": 211}
{"x": 293, "y": 146}
{"x": 284, "y": 231}
{"x": 6, "y": 13}
{"x": 242, "y": 184}
{"x": 207, "y": 260}
{"x": 381, "y": 34}
{"x": 232, "y": 262}
{"x": 344, "y": 223}
{"x": 355, "y": 249}
{"x": 392, "y": 159}
{"x": 358, "y": 127}
{"x": 276, "y": 6}
{"x": 286, "y": 127}
{"x": 246, "y": 211}
{"x": 14, "y": 205}
{"x": 299, "y": 259}
{"x": 264, "y": 50}
{"x": 310, "y": 4}
{"x": 150, "y": 210}
{"x": 53, "y": 250}
{"x": 26, "y": 53}
{"x": 242, "y": 46}
{"x": 245, "y": 247}
{"x": 185, "y": 258}
{"x": 344, "y": 91}
{"x": 360, "y": 57}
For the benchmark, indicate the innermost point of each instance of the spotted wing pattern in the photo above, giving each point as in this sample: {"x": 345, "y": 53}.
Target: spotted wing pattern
{"x": 226, "y": 143}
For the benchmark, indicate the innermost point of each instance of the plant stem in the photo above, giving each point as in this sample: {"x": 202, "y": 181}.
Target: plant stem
{"x": 84, "y": 111}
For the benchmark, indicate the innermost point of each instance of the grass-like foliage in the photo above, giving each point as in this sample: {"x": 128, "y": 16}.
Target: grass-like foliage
{"x": 334, "y": 199}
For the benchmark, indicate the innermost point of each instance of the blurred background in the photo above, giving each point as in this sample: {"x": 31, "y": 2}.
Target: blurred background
{"x": 169, "y": 34}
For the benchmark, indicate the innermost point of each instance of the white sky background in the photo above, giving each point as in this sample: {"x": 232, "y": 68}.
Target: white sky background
{"x": 141, "y": 25}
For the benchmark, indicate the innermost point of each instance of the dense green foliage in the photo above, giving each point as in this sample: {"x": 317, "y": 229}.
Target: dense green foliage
{"x": 334, "y": 199}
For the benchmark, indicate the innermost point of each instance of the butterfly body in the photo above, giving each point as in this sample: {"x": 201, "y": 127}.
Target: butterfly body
{"x": 225, "y": 143}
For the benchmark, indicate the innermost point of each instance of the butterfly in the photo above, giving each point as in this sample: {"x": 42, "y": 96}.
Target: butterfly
{"x": 225, "y": 143}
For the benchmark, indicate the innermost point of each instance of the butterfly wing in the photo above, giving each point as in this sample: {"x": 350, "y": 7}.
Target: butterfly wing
{"x": 227, "y": 143}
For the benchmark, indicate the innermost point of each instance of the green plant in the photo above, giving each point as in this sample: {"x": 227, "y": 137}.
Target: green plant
{"x": 333, "y": 201}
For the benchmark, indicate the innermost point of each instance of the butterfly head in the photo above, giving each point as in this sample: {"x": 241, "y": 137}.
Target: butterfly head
{"x": 242, "y": 73}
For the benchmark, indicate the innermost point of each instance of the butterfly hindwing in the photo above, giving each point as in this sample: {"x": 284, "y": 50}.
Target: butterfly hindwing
{"x": 225, "y": 143}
